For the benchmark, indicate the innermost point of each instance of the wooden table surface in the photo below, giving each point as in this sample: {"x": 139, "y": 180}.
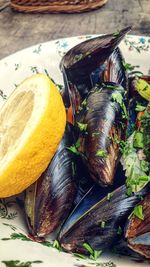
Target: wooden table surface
{"x": 18, "y": 30}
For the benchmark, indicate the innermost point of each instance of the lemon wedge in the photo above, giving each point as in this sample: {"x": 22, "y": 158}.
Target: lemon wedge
{"x": 32, "y": 123}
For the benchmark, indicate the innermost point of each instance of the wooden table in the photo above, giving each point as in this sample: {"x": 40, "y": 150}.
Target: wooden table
{"x": 18, "y": 30}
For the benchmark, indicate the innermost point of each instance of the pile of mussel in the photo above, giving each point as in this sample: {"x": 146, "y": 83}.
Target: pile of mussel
{"x": 96, "y": 189}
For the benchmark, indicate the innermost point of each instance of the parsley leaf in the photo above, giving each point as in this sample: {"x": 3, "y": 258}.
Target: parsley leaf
{"x": 78, "y": 255}
{"x": 82, "y": 126}
{"x": 138, "y": 212}
{"x": 94, "y": 254}
{"x": 138, "y": 140}
{"x": 117, "y": 97}
{"x": 101, "y": 153}
{"x": 128, "y": 66}
{"x": 109, "y": 196}
{"x": 103, "y": 224}
{"x": 57, "y": 245}
{"x": 139, "y": 107}
{"x": 136, "y": 175}
{"x": 73, "y": 149}
{"x": 119, "y": 231}
{"x": 88, "y": 248}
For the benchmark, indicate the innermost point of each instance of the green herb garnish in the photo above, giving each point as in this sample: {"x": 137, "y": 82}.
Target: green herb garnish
{"x": 109, "y": 86}
{"x": 138, "y": 212}
{"x": 18, "y": 263}
{"x": 128, "y": 66}
{"x": 144, "y": 165}
{"x": 117, "y": 97}
{"x": 115, "y": 34}
{"x": 101, "y": 153}
{"x": 78, "y": 255}
{"x": 84, "y": 103}
{"x": 88, "y": 248}
{"x": 139, "y": 107}
{"x": 95, "y": 134}
{"x": 138, "y": 141}
{"x": 82, "y": 126}
{"x": 57, "y": 245}
{"x": 77, "y": 144}
{"x": 103, "y": 224}
{"x": 119, "y": 231}
{"x": 109, "y": 196}
{"x": 73, "y": 149}
{"x": 94, "y": 254}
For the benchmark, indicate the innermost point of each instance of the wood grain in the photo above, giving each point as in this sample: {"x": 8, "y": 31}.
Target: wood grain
{"x": 18, "y": 30}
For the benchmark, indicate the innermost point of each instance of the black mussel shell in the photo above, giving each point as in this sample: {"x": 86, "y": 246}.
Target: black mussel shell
{"x": 80, "y": 61}
{"x": 48, "y": 201}
{"x": 87, "y": 227}
{"x": 88, "y": 55}
{"x": 103, "y": 117}
{"x": 138, "y": 230}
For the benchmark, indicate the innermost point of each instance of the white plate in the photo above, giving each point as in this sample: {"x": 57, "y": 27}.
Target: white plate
{"x": 15, "y": 244}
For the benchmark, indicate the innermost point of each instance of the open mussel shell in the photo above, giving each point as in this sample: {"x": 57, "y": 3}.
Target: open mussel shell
{"x": 138, "y": 230}
{"x": 83, "y": 59}
{"x": 48, "y": 201}
{"x": 87, "y": 227}
{"x": 89, "y": 54}
{"x": 111, "y": 71}
{"x": 100, "y": 144}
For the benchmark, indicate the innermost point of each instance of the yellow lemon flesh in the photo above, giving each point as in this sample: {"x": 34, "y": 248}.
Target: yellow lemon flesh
{"x": 32, "y": 123}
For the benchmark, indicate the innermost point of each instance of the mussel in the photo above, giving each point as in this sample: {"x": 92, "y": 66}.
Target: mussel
{"x": 138, "y": 229}
{"x": 48, "y": 201}
{"x": 102, "y": 115}
{"x": 80, "y": 61}
{"x": 84, "y": 225}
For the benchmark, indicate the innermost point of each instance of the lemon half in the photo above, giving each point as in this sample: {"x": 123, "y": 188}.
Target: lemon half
{"x": 32, "y": 123}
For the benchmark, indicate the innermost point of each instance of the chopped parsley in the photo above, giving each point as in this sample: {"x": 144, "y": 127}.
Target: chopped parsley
{"x": 128, "y": 66}
{"x": 109, "y": 86}
{"x": 84, "y": 103}
{"x": 77, "y": 144}
{"x": 95, "y": 134}
{"x": 118, "y": 98}
{"x": 109, "y": 196}
{"x": 74, "y": 148}
{"x": 138, "y": 212}
{"x": 103, "y": 224}
{"x": 115, "y": 34}
{"x": 78, "y": 255}
{"x": 144, "y": 165}
{"x": 119, "y": 231}
{"x": 138, "y": 140}
{"x": 139, "y": 107}
{"x": 101, "y": 153}
{"x": 94, "y": 254}
{"x": 82, "y": 126}
{"x": 135, "y": 169}
{"x": 57, "y": 245}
